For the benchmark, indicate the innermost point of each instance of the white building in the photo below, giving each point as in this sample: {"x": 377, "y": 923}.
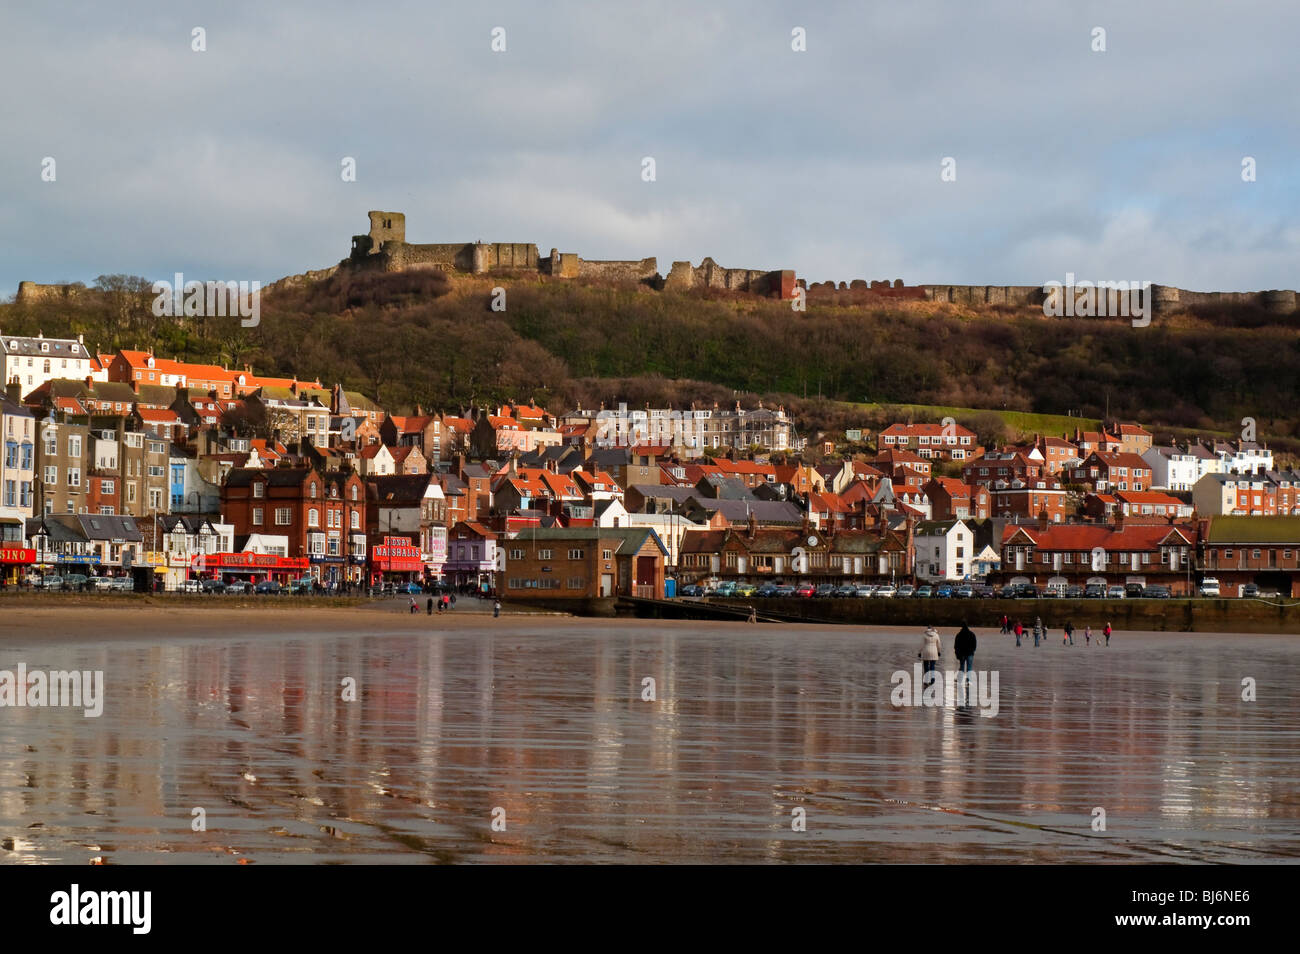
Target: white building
{"x": 17, "y": 468}
{"x": 1178, "y": 468}
{"x": 33, "y": 361}
{"x": 945, "y": 550}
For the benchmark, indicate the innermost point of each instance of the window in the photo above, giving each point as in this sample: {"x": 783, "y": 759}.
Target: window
{"x": 356, "y": 519}
{"x": 259, "y": 490}
{"x": 130, "y": 492}
{"x": 543, "y": 554}
{"x": 107, "y": 487}
{"x": 155, "y": 471}
{"x": 577, "y": 554}
{"x": 283, "y": 516}
{"x": 257, "y": 516}
{"x": 607, "y": 554}
{"x": 313, "y": 515}
{"x": 74, "y": 476}
{"x": 516, "y": 554}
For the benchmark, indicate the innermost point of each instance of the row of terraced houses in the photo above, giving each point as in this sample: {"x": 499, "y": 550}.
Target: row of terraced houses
{"x": 128, "y": 462}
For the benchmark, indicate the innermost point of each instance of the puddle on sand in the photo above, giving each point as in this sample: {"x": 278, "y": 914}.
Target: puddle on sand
{"x": 549, "y": 726}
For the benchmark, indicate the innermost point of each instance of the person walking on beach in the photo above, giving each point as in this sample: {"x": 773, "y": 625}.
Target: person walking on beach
{"x": 931, "y": 649}
{"x": 1020, "y": 628}
{"x": 963, "y": 647}
{"x": 1068, "y": 631}
{"x": 1107, "y": 632}
{"x": 429, "y": 606}
{"x": 496, "y": 609}
{"x": 1087, "y": 635}
{"x": 1006, "y": 624}
{"x": 414, "y": 607}
{"x": 753, "y": 615}
{"x": 1038, "y": 630}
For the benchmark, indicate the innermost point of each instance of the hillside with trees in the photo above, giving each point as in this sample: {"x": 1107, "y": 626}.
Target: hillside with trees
{"x": 423, "y": 338}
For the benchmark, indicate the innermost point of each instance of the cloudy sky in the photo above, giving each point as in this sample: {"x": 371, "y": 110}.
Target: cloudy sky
{"x": 225, "y": 164}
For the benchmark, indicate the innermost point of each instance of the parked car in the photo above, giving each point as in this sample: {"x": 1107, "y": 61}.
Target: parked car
{"x": 691, "y": 589}
{"x": 52, "y": 582}
{"x": 805, "y": 590}
{"x": 1155, "y": 592}
{"x": 191, "y": 586}
{"x": 406, "y": 589}
{"x": 824, "y": 590}
{"x": 943, "y": 591}
{"x": 1074, "y": 592}
{"x": 925, "y": 591}
{"x": 238, "y": 588}
{"x": 864, "y": 591}
{"x": 212, "y": 586}
{"x": 847, "y": 590}
{"x": 1115, "y": 592}
{"x": 886, "y": 590}
{"x": 101, "y": 582}
{"x": 766, "y": 591}
{"x": 268, "y": 586}
{"x": 1249, "y": 591}
{"x": 1208, "y": 587}
{"x": 906, "y": 590}
{"x": 1134, "y": 589}
{"x": 725, "y": 588}
{"x": 964, "y": 592}
{"x": 745, "y": 589}
{"x": 1094, "y": 591}
{"x": 786, "y": 589}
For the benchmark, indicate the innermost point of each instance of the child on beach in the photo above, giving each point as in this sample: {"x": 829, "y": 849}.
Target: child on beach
{"x": 1087, "y": 635}
{"x": 1107, "y": 632}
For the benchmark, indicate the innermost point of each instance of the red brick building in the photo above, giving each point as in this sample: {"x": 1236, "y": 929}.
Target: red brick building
{"x": 322, "y": 514}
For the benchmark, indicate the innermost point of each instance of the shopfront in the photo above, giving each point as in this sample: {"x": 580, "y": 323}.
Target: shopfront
{"x": 396, "y": 560}
{"x": 254, "y": 567}
{"x": 14, "y": 561}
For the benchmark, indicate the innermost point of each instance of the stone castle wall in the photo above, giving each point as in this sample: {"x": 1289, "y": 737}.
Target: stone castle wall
{"x": 31, "y": 292}
{"x": 1164, "y": 298}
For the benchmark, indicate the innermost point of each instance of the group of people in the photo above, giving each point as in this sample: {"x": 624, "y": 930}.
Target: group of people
{"x": 445, "y": 602}
{"x": 1040, "y": 631}
{"x": 963, "y": 648}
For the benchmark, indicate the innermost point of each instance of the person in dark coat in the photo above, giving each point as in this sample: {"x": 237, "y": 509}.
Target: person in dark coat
{"x": 428, "y": 606}
{"x": 964, "y": 647}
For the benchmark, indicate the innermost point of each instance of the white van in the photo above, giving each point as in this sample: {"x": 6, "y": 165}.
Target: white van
{"x": 1209, "y": 587}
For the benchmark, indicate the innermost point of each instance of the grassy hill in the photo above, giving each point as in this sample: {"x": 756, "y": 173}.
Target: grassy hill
{"x": 428, "y": 339}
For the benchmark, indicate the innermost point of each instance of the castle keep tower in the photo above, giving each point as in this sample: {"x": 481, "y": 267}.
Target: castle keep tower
{"x": 384, "y": 227}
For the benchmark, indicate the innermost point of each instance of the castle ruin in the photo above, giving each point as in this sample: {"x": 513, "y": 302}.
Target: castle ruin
{"x": 385, "y": 247}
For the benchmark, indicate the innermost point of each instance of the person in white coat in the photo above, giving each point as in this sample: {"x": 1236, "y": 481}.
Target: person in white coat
{"x": 931, "y": 650}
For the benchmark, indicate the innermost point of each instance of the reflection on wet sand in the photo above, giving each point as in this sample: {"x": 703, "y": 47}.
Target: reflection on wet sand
{"x": 549, "y": 724}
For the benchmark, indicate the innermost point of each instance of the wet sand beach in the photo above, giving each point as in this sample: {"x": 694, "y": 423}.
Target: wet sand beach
{"x": 542, "y": 723}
